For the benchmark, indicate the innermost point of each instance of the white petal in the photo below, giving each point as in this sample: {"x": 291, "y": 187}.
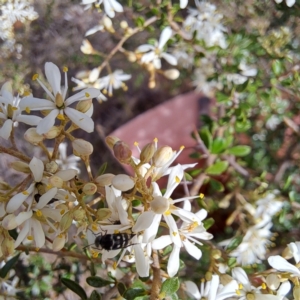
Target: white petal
{"x": 45, "y": 124}
{"x": 161, "y": 242}
{"x": 172, "y": 60}
{"x": 228, "y": 291}
{"x": 284, "y": 288}
{"x": 17, "y": 200}
{"x": 214, "y": 284}
{"x": 116, "y": 6}
{"x": 192, "y": 249}
{"x": 173, "y": 230}
{"x": 173, "y": 263}
{"x": 53, "y": 76}
{"x": 44, "y": 199}
{"x": 148, "y": 57}
{"x": 83, "y": 95}
{"x": 290, "y": 3}
{"x": 29, "y": 120}
{"x": 183, "y": 3}
{"x": 108, "y": 9}
{"x": 175, "y": 177}
{"x": 37, "y": 168}
{"x": 192, "y": 289}
{"x": 23, "y": 233}
{"x": 279, "y": 263}
{"x": 150, "y": 233}
{"x": 145, "y": 48}
{"x": 141, "y": 262}
{"x": 240, "y": 275}
{"x": 80, "y": 119}
{"x": 144, "y": 221}
{"x": 36, "y": 104}
{"x": 164, "y": 37}
{"x": 38, "y": 233}
{"x": 6, "y": 128}
{"x": 66, "y": 175}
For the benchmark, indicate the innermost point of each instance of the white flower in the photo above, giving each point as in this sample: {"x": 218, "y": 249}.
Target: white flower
{"x": 113, "y": 81}
{"x": 110, "y": 6}
{"x": 183, "y": 3}
{"x": 211, "y": 290}
{"x": 155, "y": 53}
{"x": 253, "y": 248}
{"x": 206, "y": 23}
{"x": 58, "y": 106}
{"x": 67, "y": 162}
{"x": 289, "y": 3}
{"x": 10, "y": 112}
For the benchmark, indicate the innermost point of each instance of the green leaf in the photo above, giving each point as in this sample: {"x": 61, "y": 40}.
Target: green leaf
{"x": 234, "y": 243}
{"x": 8, "y": 266}
{"x": 121, "y": 288}
{"x": 217, "y": 168}
{"x": 142, "y": 298}
{"x": 231, "y": 262}
{"x": 102, "y": 169}
{"x": 277, "y": 67}
{"x": 207, "y": 223}
{"x": 75, "y": 287}
{"x": 217, "y": 145}
{"x": 95, "y": 296}
{"x": 292, "y": 196}
{"x": 222, "y": 97}
{"x": 97, "y": 282}
{"x": 174, "y": 297}
{"x": 216, "y": 185}
{"x": 242, "y": 150}
{"x": 170, "y": 286}
{"x": 134, "y": 293}
{"x": 206, "y": 137}
{"x": 241, "y": 87}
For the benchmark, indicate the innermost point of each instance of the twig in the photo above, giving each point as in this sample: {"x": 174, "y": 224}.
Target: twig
{"x": 156, "y": 277}
{"x": 236, "y": 166}
{"x": 15, "y": 154}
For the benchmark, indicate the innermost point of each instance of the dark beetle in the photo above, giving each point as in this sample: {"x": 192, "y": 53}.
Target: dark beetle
{"x": 113, "y": 241}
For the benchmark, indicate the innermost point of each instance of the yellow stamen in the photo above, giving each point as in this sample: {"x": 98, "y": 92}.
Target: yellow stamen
{"x": 25, "y": 193}
{"x": 155, "y": 140}
{"x": 104, "y": 91}
{"x": 167, "y": 213}
{"x": 26, "y": 93}
{"x": 37, "y": 249}
{"x": 14, "y": 108}
{"x": 115, "y": 265}
{"x": 39, "y": 213}
{"x": 238, "y": 292}
{"x": 87, "y": 95}
{"x": 136, "y": 144}
{"x": 27, "y": 109}
{"x": 60, "y": 117}
{"x": 182, "y": 147}
{"x": 241, "y": 286}
{"x": 174, "y": 233}
{"x": 116, "y": 231}
{"x": 67, "y": 197}
{"x": 95, "y": 254}
{"x": 94, "y": 227}
{"x": 201, "y": 195}
{"x": 60, "y": 236}
{"x": 177, "y": 179}
{"x": 30, "y": 238}
{"x": 62, "y": 211}
{"x": 82, "y": 236}
{"x": 35, "y": 76}
{"x": 65, "y": 69}
{"x": 263, "y": 286}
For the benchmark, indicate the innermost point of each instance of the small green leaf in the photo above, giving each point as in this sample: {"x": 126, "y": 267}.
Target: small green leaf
{"x": 75, "y": 287}
{"x": 222, "y": 97}
{"x": 217, "y": 168}
{"x": 241, "y": 87}
{"x": 231, "y": 262}
{"x": 277, "y": 67}
{"x": 95, "y": 296}
{"x": 121, "y": 288}
{"x": 174, "y": 297}
{"x": 102, "y": 169}
{"x": 234, "y": 243}
{"x": 134, "y": 293}
{"x": 217, "y": 145}
{"x": 206, "y": 137}
{"x": 207, "y": 223}
{"x": 242, "y": 150}
{"x": 292, "y": 196}
{"x": 142, "y": 298}
{"x": 8, "y": 266}
{"x": 216, "y": 185}
{"x": 170, "y": 286}
{"x": 97, "y": 282}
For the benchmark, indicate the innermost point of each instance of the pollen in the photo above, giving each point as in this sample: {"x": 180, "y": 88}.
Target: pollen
{"x": 35, "y": 76}
{"x": 115, "y": 265}
{"x": 177, "y": 179}
{"x": 116, "y": 231}
{"x": 30, "y": 238}
{"x": 182, "y": 147}
{"x": 67, "y": 197}
{"x": 65, "y": 69}
{"x": 238, "y": 292}
{"x": 27, "y": 109}
{"x": 60, "y": 117}
{"x": 39, "y": 213}
{"x": 94, "y": 227}
{"x": 37, "y": 249}
{"x": 155, "y": 140}
{"x": 174, "y": 233}
{"x": 241, "y": 286}
{"x": 62, "y": 211}
{"x": 136, "y": 144}
{"x": 201, "y": 195}
{"x": 263, "y": 286}
{"x": 26, "y": 93}
{"x": 25, "y": 193}
{"x": 82, "y": 236}
{"x": 60, "y": 236}
{"x": 95, "y": 254}
{"x": 167, "y": 213}
{"x": 14, "y": 108}
{"x": 104, "y": 91}
{"x": 87, "y": 95}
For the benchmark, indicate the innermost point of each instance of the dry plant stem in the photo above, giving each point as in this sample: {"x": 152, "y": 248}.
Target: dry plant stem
{"x": 12, "y": 139}
{"x": 58, "y": 141}
{"x": 156, "y": 277}
{"x": 123, "y": 40}
{"x": 236, "y": 166}
{"x": 15, "y": 153}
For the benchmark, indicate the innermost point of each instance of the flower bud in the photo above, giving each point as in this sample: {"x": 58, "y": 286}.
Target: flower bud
{"x": 111, "y": 140}
{"x": 94, "y": 75}
{"x": 59, "y": 242}
{"x": 131, "y": 56}
{"x": 84, "y": 105}
{"x": 122, "y": 152}
{"x": 51, "y": 167}
{"x": 172, "y": 74}
{"x": 32, "y": 136}
{"x": 82, "y": 147}
{"x": 123, "y": 24}
{"x": 273, "y": 281}
{"x": 159, "y": 204}
{"x": 108, "y": 24}
{"x": 104, "y": 179}
{"x": 147, "y": 152}
{"x": 123, "y": 182}
{"x": 20, "y": 166}
{"x": 86, "y": 47}
{"x": 103, "y": 214}
{"x": 4, "y": 186}
{"x": 66, "y": 221}
{"x": 56, "y": 181}
{"x": 53, "y": 132}
{"x": 79, "y": 214}
{"x": 162, "y": 156}
{"x": 90, "y": 188}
